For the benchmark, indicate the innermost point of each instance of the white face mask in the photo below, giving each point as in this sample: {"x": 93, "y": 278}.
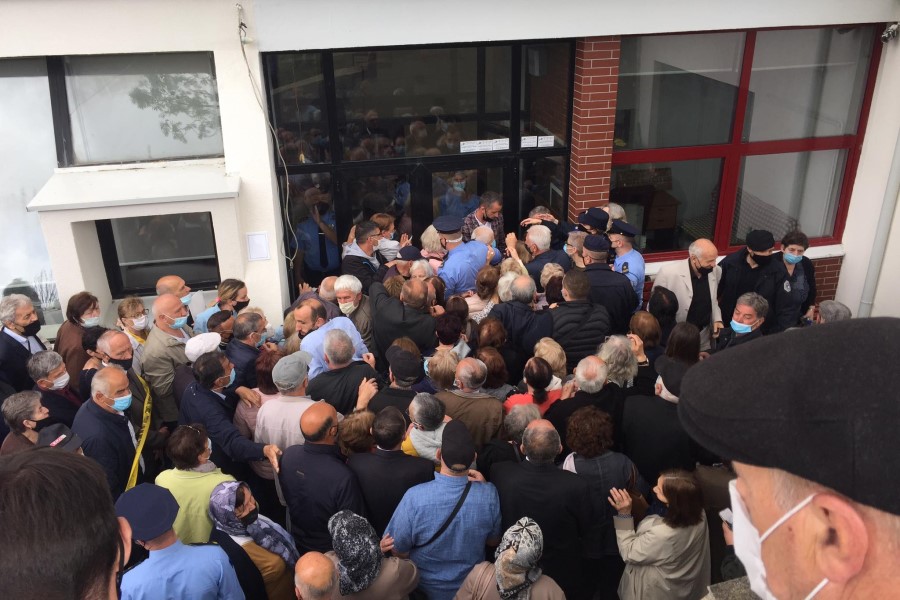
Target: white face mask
{"x": 347, "y": 307}
{"x": 748, "y": 543}
{"x": 139, "y": 322}
{"x": 60, "y": 382}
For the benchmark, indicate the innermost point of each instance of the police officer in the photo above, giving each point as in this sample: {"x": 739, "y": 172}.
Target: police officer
{"x": 612, "y": 290}
{"x": 629, "y": 261}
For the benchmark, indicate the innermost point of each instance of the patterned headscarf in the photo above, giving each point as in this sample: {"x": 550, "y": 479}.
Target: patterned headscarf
{"x": 517, "y": 556}
{"x": 263, "y": 531}
{"x": 356, "y": 545}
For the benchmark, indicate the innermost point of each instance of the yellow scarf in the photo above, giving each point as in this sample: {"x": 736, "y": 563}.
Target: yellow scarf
{"x": 145, "y": 430}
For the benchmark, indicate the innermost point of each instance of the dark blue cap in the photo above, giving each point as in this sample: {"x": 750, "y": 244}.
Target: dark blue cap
{"x": 149, "y": 509}
{"x": 596, "y": 243}
{"x": 594, "y": 217}
{"x": 623, "y": 228}
{"x": 409, "y": 253}
{"x": 448, "y": 224}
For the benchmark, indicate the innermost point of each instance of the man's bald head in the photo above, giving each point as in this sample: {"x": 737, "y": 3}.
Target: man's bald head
{"x": 541, "y": 442}
{"x": 166, "y": 308}
{"x": 172, "y": 284}
{"x": 414, "y": 293}
{"x": 326, "y": 288}
{"x": 318, "y": 423}
{"x": 705, "y": 253}
{"x": 315, "y": 577}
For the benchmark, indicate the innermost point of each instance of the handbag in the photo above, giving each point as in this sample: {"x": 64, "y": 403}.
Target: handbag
{"x": 639, "y": 504}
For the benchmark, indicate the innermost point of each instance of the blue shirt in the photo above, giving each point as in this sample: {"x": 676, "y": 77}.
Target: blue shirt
{"x": 445, "y": 562}
{"x": 314, "y": 343}
{"x": 453, "y": 204}
{"x": 461, "y": 267}
{"x": 179, "y": 571}
{"x": 631, "y": 264}
{"x": 202, "y": 318}
{"x": 308, "y": 242}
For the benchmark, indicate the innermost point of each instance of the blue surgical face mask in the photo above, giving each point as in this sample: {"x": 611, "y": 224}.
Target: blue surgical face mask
{"x": 792, "y": 259}
{"x": 742, "y": 327}
{"x": 231, "y": 378}
{"x": 122, "y": 404}
{"x": 494, "y": 244}
{"x": 262, "y": 339}
{"x": 91, "y": 322}
{"x": 179, "y": 322}
{"x": 566, "y": 248}
{"x": 187, "y": 298}
{"x": 459, "y": 186}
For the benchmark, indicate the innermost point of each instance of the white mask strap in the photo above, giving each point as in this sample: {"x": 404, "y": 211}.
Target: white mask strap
{"x": 785, "y": 517}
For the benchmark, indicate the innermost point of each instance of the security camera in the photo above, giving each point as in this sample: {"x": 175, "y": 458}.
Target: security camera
{"x": 890, "y": 33}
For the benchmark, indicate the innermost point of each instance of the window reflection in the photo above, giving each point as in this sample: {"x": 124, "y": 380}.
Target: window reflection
{"x": 299, "y": 110}
{"x": 457, "y": 193}
{"x": 314, "y": 239}
{"x": 542, "y": 183}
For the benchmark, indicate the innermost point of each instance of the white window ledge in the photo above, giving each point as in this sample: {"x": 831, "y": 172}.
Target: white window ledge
{"x": 130, "y": 185}
{"x": 813, "y": 252}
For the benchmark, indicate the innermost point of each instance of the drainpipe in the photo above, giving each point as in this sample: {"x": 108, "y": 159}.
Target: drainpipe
{"x": 882, "y": 232}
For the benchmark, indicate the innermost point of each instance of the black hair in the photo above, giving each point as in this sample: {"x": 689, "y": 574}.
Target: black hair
{"x": 389, "y": 427}
{"x": 90, "y": 337}
{"x": 208, "y": 367}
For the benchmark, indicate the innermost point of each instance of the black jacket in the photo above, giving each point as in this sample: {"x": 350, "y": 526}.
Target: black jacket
{"x": 615, "y": 292}
{"x": 340, "y": 387}
{"x": 62, "y": 408}
{"x": 610, "y": 400}
{"x": 13, "y": 362}
{"x": 384, "y": 476}
{"x": 243, "y": 357}
{"x": 106, "y": 439}
{"x": 545, "y": 258}
{"x": 249, "y": 577}
{"x": 771, "y": 283}
{"x": 728, "y": 339}
{"x": 560, "y": 503}
{"x": 524, "y": 326}
{"x": 654, "y": 438}
{"x": 363, "y": 270}
{"x": 809, "y": 272}
{"x": 579, "y": 326}
{"x": 388, "y": 396}
{"x": 395, "y": 320}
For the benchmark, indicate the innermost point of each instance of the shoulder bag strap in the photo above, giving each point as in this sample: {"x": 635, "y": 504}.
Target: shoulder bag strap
{"x": 459, "y": 503}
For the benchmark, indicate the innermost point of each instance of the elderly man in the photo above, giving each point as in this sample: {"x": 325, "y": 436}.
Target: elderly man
{"x": 315, "y": 577}
{"x": 340, "y": 384}
{"x": 524, "y": 327}
{"x": 488, "y": 214}
{"x": 315, "y": 481}
{"x": 312, "y": 327}
{"x": 48, "y": 371}
{"x": 579, "y": 325}
{"x": 459, "y": 506}
{"x": 407, "y": 317}
{"x": 173, "y": 284}
{"x": 404, "y": 371}
{"x": 538, "y": 239}
{"x": 204, "y": 402}
{"x": 325, "y": 294}
{"x": 18, "y": 340}
{"x": 629, "y": 262}
{"x": 276, "y": 421}
{"x": 249, "y": 336}
{"x": 106, "y": 433}
{"x": 802, "y": 528}
{"x": 830, "y": 311}
{"x": 746, "y": 322}
{"x": 485, "y": 235}
{"x": 558, "y": 500}
{"x": 481, "y": 412}
{"x": 695, "y": 283}
{"x": 463, "y": 259}
{"x": 362, "y": 260}
{"x": 752, "y": 269}
{"x": 612, "y": 290}
{"x": 355, "y": 306}
{"x": 164, "y": 352}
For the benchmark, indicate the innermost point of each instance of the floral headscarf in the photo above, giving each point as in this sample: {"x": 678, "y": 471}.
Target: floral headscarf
{"x": 356, "y": 545}
{"x": 517, "y": 557}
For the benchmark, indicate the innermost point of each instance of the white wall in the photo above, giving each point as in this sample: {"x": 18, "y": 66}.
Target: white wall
{"x": 888, "y": 291}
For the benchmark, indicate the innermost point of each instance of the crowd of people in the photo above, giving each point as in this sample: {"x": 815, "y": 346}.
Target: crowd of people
{"x": 487, "y": 416}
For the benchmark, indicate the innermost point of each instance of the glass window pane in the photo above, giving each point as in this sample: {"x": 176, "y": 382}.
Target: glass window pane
{"x": 458, "y": 193}
{"x": 29, "y": 157}
{"x": 672, "y": 204}
{"x": 148, "y": 248}
{"x": 807, "y": 82}
{"x": 318, "y": 248}
{"x": 297, "y": 89}
{"x": 143, "y": 107}
{"x": 542, "y": 183}
{"x": 780, "y": 192}
{"x": 545, "y": 91}
{"x": 415, "y": 102}
{"x": 677, "y": 90}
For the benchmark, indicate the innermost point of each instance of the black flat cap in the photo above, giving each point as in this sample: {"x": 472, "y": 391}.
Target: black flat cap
{"x": 819, "y": 402}
{"x": 409, "y": 253}
{"x": 457, "y": 447}
{"x": 596, "y": 243}
{"x": 149, "y": 509}
{"x": 626, "y": 229}
{"x": 448, "y": 224}
{"x": 760, "y": 240}
{"x": 594, "y": 217}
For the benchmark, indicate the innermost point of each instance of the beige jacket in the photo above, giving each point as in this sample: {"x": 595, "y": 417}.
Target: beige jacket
{"x": 481, "y": 584}
{"x": 162, "y": 354}
{"x": 396, "y": 580}
{"x": 362, "y": 320}
{"x": 677, "y": 278}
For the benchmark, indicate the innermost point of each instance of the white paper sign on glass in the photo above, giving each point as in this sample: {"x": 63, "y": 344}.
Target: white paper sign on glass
{"x": 468, "y": 146}
{"x": 500, "y": 144}
{"x": 529, "y": 141}
{"x": 545, "y": 141}
{"x": 484, "y": 145}
{"x": 258, "y": 246}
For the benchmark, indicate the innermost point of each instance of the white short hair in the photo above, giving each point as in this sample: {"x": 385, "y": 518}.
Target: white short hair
{"x": 540, "y": 235}
{"x": 10, "y": 304}
{"x": 347, "y": 283}
{"x": 421, "y": 264}
{"x": 483, "y": 234}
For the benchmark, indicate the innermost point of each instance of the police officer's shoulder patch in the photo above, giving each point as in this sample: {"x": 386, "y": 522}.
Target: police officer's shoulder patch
{"x": 624, "y": 268}
{"x": 787, "y": 286}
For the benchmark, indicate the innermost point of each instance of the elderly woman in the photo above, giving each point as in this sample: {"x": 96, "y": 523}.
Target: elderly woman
{"x": 589, "y": 433}
{"x": 133, "y": 320}
{"x": 801, "y": 272}
{"x": 428, "y": 416}
{"x": 550, "y": 350}
{"x": 539, "y": 379}
{"x": 239, "y": 528}
{"x": 432, "y": 251}
{"x": 191, "y": 481}
{"x": 82, "y": 310}
{"x": 645, "y": 335}
{"x": 666, "y": 556}
{"x": 420, "y": 269}
{"x": 364, "y": 572}
{"x": 492, "y": 334}
{"x": 25, "y": 416}
{"x": 508, "y": 449}
{"x": 548, "y": 272}
{"x": 485, "y": 297}
{"x": 515, "y": 574}
{"x": 497, "y": 376}
{"x": 619, "y": 357}
{"x": 355, "y": 433}
{"x": 231, "y": 295}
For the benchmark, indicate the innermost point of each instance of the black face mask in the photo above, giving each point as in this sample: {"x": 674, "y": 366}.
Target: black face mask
{"x": 239, "y": 306}
{"x": 125, "y": 363}
{"x": 31, "y": 329}
{"x": 762, "y": 259}
{"x": 250, "y": 517}
{"x": 702, "y": 271}
{"x": 38, "y": 425}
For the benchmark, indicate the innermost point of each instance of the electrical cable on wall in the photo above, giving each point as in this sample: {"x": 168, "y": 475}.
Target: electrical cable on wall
{"x": 257, "y": 93}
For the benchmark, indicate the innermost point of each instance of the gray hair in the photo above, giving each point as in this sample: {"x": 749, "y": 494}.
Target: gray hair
{"x": 18, "y": 407}
{"x": 504, "y": 284}
{"x": 104, "y": 341}
{"x": 100, "y": 382}
{"x": 518, "y": 419}
{"x": 431, "y": 240}
{"x": 616, "y": 211}
{"x": 759, "y": 304}
{"x": 591, "y": 374}
{"x": 483, "y": 234}
{"x": 550, "y": 271}
{"x": 338, "y": 348}
{"x": 348, "y": 283}
{"x": 246, "y": 324}
{"x": 522, "y": 289}
{"x": 831, "y": 311}
{"x": 576, "y": 239}
{"x": 422, "y": 264}
{"x": 539, "y": 210}
{"x": 41, "y": 363}
{"x": 619, "y": 358}
{"x": 10, "y": 304}
{"x": 541, "y": 444}
{"x": 471, "y": 373}
{"x": 540, "y": 236}
{"x": 429, "y": 411}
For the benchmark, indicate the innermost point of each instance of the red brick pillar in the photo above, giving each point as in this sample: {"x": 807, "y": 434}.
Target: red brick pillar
{"x": 593, "y": 121}
{"x": 827, "y": 272}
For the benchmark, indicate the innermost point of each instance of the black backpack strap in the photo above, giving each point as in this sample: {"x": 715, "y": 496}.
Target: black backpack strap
{"x": 459, "y": 503}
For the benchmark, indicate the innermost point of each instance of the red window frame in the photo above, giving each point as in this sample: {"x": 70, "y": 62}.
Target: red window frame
{"x": 732, "y": 153}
